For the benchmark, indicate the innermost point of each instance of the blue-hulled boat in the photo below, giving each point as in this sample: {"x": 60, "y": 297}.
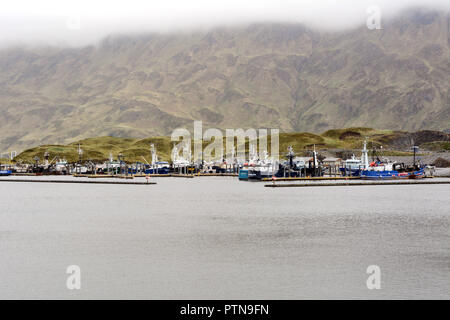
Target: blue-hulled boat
{"x": 157, "y": 167}
{"x": 243, "y": 174}
{"x": 5, "y": 172}
{"x": 352, "y": 167}
{"x": 248, "y": 173}
{"x": 160, "y": 167}
{"x": 385, "y": 170}
{"x": 392, "y": 174}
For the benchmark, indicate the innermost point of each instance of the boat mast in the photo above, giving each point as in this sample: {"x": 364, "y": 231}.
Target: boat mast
{"x": 415, "y": 148}
{"x": 154, "y": 155}
{"x": 80, "y": 153}
{"x": 365, "y": 156}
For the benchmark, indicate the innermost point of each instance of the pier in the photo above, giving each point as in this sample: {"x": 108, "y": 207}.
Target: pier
{"x": 310, "y": 178}
{"x": 342, "y": 184}
{"x": 217, "y": 175}
{"x": 173, "y": 175}
{"x": 78, "y": 181}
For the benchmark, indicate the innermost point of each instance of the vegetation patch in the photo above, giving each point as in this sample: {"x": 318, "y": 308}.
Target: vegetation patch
{"x": 135, "y": 150}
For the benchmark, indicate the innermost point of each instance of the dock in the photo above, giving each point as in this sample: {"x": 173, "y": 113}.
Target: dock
{"x": 217, "y": 175}
{"x": 310, "y": 179}
{"x": 78, "y": 181}
{"x": 174, "y": 175}
{"x": 100, "y": 176}
{"x": 387, "y": 183}
{"x": 170, "y": 175}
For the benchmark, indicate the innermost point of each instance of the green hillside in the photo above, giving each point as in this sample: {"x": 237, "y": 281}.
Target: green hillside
{"x": 133, "y": 149}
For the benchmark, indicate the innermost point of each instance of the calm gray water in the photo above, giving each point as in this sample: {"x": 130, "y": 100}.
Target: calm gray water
{"x": 217, "y": 238}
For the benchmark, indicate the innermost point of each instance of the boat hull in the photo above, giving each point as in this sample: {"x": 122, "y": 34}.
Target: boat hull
{"x": 350, "y": 172}
{"x": 390, "y": 175}
{"x": 158, "y": 171}
{"x": 5, "y": 173}
{"x": 246, "y": 174}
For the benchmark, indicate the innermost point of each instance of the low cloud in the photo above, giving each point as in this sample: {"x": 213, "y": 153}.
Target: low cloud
{"x": 81, "y": 22}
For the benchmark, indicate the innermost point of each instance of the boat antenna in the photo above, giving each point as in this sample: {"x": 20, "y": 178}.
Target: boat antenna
{"x": 153, "y": 153}
{"x": 80, "y": 153}
{"x": 415, "y": 148}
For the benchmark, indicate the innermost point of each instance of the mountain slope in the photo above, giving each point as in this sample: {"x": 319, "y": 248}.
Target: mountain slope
{"x": 282, "y": 76}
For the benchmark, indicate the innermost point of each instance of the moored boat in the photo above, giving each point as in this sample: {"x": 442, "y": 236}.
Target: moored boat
{"x": 159, "y": 167}
{"x": 386, "y": 170}
{"x": 5, "y": 172}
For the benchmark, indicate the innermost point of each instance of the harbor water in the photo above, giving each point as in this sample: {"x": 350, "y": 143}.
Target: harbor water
{"x": 218, "y": 238}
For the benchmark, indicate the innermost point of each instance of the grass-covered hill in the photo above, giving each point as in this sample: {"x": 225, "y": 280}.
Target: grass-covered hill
{"x": 133, "y": 149}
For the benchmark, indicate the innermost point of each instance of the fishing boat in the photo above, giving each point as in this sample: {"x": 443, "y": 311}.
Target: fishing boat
{"x": 267, "y": 167}
{"x": 392, "y": 174}
{"x": 257, "y": 171}
{"x": 248, "y": 172}
{"x": 387, "y": 170}
{"x": 61, "y": 166}
{"x": 5, "y": 172}
{"x": 355, "y": 166}
{"x": 111, "y": 166}
{"x": 300, "y": 166}
{"x": 250, "y": 169}
{"x": 157, "y": 167}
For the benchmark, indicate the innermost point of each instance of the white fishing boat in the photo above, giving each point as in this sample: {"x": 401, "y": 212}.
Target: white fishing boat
{"x": 156, "y": 166}
{"x": 355, "y": 166}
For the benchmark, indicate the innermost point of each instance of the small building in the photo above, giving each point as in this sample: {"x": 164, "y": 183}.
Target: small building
{"x": 332, "y": 162}
{"x": 332, "y": 166}
{"x": 302, "y": 161}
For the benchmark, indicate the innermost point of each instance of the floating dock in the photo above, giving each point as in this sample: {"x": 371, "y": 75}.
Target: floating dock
{"x": 326, "y": 184}
{"x": 311, "y": 179}
{"x": 78, "y": 181}
{"x": 217, "y": 175}
{"x": 173, "y": 175}
{"x": 101, "y": 176}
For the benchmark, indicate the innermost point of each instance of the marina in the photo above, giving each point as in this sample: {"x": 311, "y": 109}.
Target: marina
{"x": 257, "y": 167}
{"x": 289, "y": 170}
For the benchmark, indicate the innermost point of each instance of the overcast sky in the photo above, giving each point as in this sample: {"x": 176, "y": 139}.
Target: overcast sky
{"x": 82, "y": 22}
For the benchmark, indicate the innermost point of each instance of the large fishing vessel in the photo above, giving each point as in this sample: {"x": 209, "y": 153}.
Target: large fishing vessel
{"x": 300, "y": 166}
{"x": 387, "y": 170}
{"x": 258, "y": 168}
{"x": 354, "y": 166}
